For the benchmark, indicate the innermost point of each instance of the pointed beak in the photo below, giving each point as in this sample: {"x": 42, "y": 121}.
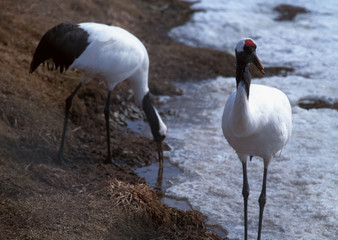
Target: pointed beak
{"x": 258, "y": 64}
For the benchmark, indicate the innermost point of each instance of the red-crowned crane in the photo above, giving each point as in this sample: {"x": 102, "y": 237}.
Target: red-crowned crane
{"x": 257, "y": 121}
{"x": 107, "y": 52}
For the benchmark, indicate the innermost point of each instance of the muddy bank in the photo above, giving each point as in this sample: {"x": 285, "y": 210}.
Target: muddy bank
{"x": 86, "y": 199}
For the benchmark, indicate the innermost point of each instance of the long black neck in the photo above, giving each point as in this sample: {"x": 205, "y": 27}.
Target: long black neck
{"x": 152, "y": 117}
{"x": 243, "y": 75}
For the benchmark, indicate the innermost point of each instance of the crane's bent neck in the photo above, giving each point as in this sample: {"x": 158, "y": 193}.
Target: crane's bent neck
{"x": 158, "y": 128}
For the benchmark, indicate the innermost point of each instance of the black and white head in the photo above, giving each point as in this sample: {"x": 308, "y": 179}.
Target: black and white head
{"x": 246, "y": 53}
{"x": 158, "y": 128}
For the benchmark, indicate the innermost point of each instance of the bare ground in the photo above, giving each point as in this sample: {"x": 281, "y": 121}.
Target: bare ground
{"x": 86, "y": 199}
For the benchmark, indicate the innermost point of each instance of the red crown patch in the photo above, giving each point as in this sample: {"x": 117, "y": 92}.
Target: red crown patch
{"x": 249, "y": 43}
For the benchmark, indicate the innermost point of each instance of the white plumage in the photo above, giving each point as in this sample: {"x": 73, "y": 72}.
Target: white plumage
{"x": 106, "y": 52}
{"x": 258, "y": 126}
{"x": 257, "y": 120}
{"x": 114, "y": 54}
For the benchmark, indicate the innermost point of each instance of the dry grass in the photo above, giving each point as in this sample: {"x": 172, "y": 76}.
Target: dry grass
{"x": 86, "y": 199}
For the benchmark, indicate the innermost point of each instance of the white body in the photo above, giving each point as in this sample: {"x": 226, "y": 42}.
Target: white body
{"x": 258, "y": 126}
{"x": 115, "y": 55}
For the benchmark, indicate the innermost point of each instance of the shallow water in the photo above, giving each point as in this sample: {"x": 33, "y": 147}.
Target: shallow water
{"x": 302, "y": 193}
{"x": 170, "y": 172}
{"x": 205, "y": 174}
{"x": 150, "y": 172}
{"x": 302, "y": 179}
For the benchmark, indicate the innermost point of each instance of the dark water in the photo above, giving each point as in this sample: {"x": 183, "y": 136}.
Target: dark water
{"x": 150, "y": 173}
{"x": 170, "y": 171}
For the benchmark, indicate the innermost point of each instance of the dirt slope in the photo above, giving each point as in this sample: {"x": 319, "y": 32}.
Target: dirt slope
{"x": 86, "y": 199}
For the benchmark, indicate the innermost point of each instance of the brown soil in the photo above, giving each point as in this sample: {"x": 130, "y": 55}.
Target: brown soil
{"x": 288, "y": 12}
{"x": 310, "y": 102}
{"x": 86, "y": 199}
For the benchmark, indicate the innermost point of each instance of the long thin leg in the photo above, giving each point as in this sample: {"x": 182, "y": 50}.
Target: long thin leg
{"x": 160, "y": 167}
{"x": 245, "y": 193}
{"x": 158, "y": 185}
{"x": 69, "y": 101}
{"x": 160, "y": 154}
{"x": 262, "y": 201}
{"x": 106, "y": 115}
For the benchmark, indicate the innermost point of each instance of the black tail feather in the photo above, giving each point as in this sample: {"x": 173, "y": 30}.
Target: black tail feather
{"x": 63, "y": 44}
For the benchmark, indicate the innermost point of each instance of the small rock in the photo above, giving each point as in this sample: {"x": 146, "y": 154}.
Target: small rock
{"x": 172, "y": 112}
{"x": 134, "y": 116}
{"x": 134, "y": 109}
{"x": 118, "y": 98}
{"x": 123, "y": 119}
{"x": 116, "y": 115}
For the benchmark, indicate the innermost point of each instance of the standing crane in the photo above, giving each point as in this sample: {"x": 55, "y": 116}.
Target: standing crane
{"x": 257, "y": 121}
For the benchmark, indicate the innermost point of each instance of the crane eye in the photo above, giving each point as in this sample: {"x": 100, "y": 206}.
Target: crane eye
{"x": 249, "y": 49}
